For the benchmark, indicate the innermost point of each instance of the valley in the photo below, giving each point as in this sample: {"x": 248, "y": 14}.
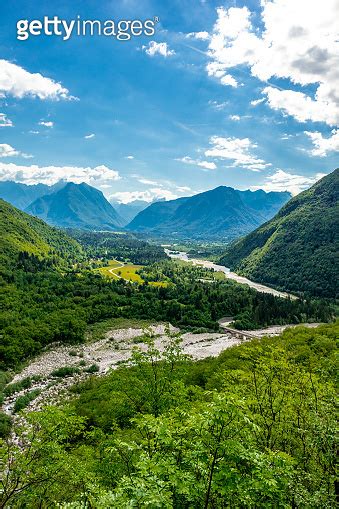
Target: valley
{"x": 118, "y": 353}
{"x": 229, "y": 275}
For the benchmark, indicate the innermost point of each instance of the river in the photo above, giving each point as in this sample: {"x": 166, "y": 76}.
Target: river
{"x": 182, "y": 255}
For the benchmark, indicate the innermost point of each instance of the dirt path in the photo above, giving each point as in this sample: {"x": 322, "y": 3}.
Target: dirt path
{"x": 115, "y": 268}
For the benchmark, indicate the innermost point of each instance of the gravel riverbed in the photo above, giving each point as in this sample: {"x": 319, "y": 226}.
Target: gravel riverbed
{"x": 108, "y": 353}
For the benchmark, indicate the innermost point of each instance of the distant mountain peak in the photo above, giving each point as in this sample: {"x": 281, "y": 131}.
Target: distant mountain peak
{"x": 222, "y": 213}
{"x": 77, "y": 206}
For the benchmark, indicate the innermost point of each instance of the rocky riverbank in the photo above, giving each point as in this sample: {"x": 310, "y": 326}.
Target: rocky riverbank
{"x": 108, "y": 353}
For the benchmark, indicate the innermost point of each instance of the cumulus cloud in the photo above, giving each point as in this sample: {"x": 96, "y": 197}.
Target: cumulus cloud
{"x": 149, "y": 195}
{"x": 129, "y": 157}
{"x": 8, "y": 151}
{"x": 17, "y": 82}
{"x": 322, "y": 145}
{"x": 46, "y": 123}
{"x": 235, "y": 118}
{"x": 49, "y": 175}
{"x": 206, "y": 165}
{"x": 158, "y": 48}
{"x": 296, "y": 41}
{"x": 5, "y": 121}
{"x": 237, "y": 150}
{"x": 284, "y": 181}
{"x": 89, "y": 136}
{"x": 203, "y": 36}
{"x": 301, "y": 106}
{"x": 228, "y": 80}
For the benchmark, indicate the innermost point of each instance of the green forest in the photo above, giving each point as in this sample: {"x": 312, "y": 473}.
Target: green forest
{"x": 297, "y": 250}
{"x": 254, "y": 427}
{"x": 121, "y": 246}
{"x": 42, "y": 305}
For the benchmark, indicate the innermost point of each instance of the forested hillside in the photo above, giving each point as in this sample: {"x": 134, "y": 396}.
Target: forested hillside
{"x": 42, "y": 304}
{"x": 254, "y": 427}
{"x": 23, "y": 235}
{"x": 297, "y": 250}
{"x": 120, "y": 246}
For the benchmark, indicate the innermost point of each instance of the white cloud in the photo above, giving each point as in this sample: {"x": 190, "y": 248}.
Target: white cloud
{"x": 203, "y": 36}
{"x": 183, "y": 189}
{"x": 207, "y": 165}
{"x": 149, "y": 182}
{"x": 33, "y": 132}
{"x": 5, "y": 121}
{"x": 89, "y": 136}
{"x": 238, "y": 150}
{"x": 283, "y": 181}
{"x": 46, "y": 123}
{"x": 129, "y": 157}
{"x": 8, "y": 151}
{"x": 324, "y": 145}
{"x": 301, "y": 106}
{"x": 218, "y": 106}
{"x": 149, "y": 195}
{"x": 158, "y": 48}
{"x": 296, "y": 41}
{"x": 49, "y": 175}
{"x": 255, "y": 102}
{"x": 235, "y": 118}
{"x": 228, "y": 80}
{"x": 17, "y": 82}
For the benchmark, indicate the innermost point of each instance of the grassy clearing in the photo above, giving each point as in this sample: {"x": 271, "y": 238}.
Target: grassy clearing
{"x": 117, "y": 270}
{"x": 128, "y": 272}
{"x": 159, "y": 283}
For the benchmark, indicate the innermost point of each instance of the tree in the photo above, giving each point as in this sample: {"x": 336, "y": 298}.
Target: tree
{"x": 37, "y": 468}
{"x": 199, "y": 459}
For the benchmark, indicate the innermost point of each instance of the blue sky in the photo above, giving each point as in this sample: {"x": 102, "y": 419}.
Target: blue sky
{"x": 237, "y": 93}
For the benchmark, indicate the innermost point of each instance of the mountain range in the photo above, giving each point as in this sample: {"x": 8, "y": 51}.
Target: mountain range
{"x": 220, "y": 214}
{"x": 76, "y": 206}
{"x": 293, "y": 246}
{"x": 298, "y": 248}
{"x": 128, "y": 211}
{"x": 22, "y": 195}
{"x": 223, "y": 213}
